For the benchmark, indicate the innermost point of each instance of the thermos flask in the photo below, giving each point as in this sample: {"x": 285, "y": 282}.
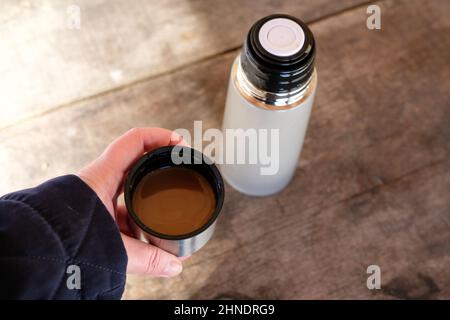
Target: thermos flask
{"x": 270, "y": 93}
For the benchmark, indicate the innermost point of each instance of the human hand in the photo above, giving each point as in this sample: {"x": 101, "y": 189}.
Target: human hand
{"x": 106, "y": 174}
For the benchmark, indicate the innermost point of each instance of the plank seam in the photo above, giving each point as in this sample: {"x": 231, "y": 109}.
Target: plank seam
{"x": 320, "y": 208}
{"x": 73, "y": 103}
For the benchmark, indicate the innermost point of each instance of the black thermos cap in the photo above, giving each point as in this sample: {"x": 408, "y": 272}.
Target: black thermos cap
{"x": 276, "y": 70}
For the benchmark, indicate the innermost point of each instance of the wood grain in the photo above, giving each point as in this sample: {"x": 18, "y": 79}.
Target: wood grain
{"x": 371, "y": 188}
{"x": 45, "y": 64}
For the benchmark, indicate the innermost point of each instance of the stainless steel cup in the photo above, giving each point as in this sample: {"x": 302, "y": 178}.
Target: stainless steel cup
{"x": 180, "y": 245}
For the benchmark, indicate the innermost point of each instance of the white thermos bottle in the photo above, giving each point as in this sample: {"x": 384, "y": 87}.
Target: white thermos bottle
{"x": 270, "y": 96}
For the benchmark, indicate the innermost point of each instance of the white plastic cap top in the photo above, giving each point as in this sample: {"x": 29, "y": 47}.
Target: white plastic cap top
{"x": 281, "y": 37}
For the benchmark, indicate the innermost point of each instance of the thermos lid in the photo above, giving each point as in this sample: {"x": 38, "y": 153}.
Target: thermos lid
{"x": 281, "y": 37}
{"x": 278, "y": 54}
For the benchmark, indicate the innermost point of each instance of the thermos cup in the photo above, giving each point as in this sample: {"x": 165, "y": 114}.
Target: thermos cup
{"x": 271, "y": 88}
{"x": 162, "y": 159}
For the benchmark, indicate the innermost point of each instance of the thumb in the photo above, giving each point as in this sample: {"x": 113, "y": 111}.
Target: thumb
{"x": 144, "y": 258}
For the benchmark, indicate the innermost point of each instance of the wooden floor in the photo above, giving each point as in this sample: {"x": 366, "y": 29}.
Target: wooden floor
{"x": 373, "y": 184}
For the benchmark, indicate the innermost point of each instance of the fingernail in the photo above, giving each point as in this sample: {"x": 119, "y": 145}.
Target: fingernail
{"x": 173, "y": 268}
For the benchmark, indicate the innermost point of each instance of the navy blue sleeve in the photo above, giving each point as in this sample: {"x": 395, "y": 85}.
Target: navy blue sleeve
{"x": 58, "y": 241}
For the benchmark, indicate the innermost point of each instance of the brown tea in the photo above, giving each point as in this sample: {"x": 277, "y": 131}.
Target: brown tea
{"x": 174, "y": 201}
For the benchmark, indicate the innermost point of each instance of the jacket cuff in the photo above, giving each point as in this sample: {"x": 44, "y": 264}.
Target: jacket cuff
{"x": 81, "y": 233}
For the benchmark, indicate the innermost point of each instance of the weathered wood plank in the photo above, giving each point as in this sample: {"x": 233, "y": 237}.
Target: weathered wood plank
{"x": 325, "y": 251}
{"x": 44, "y": 64}
{"x": 377, "y": 122}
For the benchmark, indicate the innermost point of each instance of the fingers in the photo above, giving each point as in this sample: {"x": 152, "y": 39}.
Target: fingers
{"x": 126, "y": 149}
{"x": 121, "y": 217}
{"x": 147, "y": 259}
{"x": 105, "y": 176}
{"x": 107, "y": 171}
{"x": 184, "y": 258}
